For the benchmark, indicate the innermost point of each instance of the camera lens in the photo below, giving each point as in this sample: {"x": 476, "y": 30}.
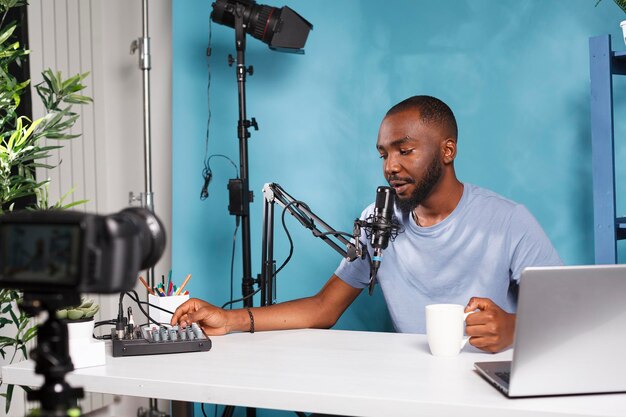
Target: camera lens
{"x": 151, "y": 234}
{"x": 260, "y": 20}
{"x": 263, "y": 20}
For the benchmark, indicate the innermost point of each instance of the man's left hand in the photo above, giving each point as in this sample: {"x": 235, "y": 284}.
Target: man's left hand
{"x": 491, "y": 328}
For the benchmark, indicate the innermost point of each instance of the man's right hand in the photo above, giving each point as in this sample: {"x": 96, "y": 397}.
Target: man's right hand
{"x": 320, "y": 311}
{"x": 213, "y": 320}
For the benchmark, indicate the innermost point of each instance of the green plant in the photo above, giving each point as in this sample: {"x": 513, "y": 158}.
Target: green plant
{"x": 620, "y": 3}
{"x": 22, "y": 151}
{"x": 16, "y": 345}
{"x": 86, "y": 310}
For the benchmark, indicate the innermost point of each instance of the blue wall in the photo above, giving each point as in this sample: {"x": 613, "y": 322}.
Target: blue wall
{"x": 516, "y": 74}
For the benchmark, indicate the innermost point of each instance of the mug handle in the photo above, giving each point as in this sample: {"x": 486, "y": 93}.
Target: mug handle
{"x": 466, "y": 338}
{"x": 464, "y": 341}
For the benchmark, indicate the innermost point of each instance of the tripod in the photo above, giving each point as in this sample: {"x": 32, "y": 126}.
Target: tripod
{"x": 52, "y": 359}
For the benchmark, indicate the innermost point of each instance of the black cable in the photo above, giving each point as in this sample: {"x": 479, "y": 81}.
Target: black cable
{"x": 204, "y": 412}
{"x": 291, "y": 246}
{"x": 241, "y": 299}
{"x": 135, "y": 297}
{"x": 334, "y": 234}
{"x": 232, "y": 262}
{"x": 288, "y": 235}
{"x": 206, "y": 172}
{"x": 139, "y": 303}
{"x": 121, "y": 312}
{"x": 120, "y": 323}
{"x": 120, "y": 307}
{"x": 102, "y": 323}
{"x": 311, "y": 221}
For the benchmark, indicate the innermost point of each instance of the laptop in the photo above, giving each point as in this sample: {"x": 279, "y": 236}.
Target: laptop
{"x": 570, "y": 333}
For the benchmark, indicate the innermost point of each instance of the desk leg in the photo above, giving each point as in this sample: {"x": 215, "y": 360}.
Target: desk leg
{"x": 182, "y": 409}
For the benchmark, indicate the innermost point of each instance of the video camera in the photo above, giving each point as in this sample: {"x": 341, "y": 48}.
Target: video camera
{"x": 57, "y": 251}
{"x": 53, "y": 256}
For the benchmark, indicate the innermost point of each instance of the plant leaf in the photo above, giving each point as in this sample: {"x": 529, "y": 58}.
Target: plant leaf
{"x": 621, "y": 4}
{"x": 9, "y": 396}
{"x": 6, "y": 33}
{"x": 14, "y": 318}
{"x": 30, "y": 333}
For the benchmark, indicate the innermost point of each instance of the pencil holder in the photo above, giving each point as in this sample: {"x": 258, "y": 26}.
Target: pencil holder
{"x": 169, "y": 303}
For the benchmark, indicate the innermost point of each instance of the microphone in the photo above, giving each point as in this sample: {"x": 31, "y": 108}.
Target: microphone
{"x": 382, "y": 228}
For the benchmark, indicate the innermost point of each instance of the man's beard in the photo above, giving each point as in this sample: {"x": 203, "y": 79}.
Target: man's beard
{"x": 422, "y": 189}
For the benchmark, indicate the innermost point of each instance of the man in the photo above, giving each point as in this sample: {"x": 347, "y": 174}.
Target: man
{"x": 461, "y": 244}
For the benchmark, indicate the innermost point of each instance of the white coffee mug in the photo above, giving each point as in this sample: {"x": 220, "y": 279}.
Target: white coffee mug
{"x": 445, "y": 328}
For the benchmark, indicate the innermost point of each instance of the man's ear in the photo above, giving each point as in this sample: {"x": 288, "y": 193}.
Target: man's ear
{"x": 449, "y": 150}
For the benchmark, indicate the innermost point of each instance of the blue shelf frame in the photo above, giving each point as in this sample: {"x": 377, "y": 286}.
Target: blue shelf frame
{"x": 608, "y": 228}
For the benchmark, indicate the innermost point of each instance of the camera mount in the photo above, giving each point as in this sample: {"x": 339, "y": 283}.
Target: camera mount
{"x": 53, "y": 256}
{"x": 52, "y": 358}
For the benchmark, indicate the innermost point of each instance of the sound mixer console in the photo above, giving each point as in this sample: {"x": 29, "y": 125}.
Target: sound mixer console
{"x": 161, "y": 340}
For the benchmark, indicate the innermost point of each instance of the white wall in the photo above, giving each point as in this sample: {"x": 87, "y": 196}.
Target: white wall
{"x": 107, "y": 161}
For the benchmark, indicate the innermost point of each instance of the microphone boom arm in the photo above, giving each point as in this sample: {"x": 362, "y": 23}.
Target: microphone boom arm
{"x": 274, "y": 193}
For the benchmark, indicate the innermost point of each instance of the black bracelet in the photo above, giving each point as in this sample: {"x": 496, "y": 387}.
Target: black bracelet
{"x": 251, "y": 319}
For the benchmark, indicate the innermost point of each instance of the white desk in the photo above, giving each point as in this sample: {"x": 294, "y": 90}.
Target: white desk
{"x": 326, "y": 371}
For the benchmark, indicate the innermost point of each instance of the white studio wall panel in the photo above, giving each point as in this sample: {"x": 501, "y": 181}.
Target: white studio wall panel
{"x": 106, "y": 162}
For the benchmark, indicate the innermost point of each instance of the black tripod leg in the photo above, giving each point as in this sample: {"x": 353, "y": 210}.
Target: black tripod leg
{"x": 228, "y": 411}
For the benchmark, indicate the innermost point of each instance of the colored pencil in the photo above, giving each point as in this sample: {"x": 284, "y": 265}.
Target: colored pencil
{"x": 180, "y": 290}
{"x": 145, "y": 284}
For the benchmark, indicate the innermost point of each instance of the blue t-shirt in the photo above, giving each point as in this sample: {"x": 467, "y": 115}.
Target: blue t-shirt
{"x": 479, "y": 250}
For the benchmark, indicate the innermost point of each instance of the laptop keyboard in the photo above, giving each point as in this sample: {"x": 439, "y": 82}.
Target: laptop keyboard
{"x": 504, "y": 376}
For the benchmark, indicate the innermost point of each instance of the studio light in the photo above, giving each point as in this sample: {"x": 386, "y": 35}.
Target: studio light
{"x": 282, "y": 29}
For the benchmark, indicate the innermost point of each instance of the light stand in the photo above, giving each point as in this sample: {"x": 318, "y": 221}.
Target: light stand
{"x": 239, "y": 189}
{"x": 240, "y": 195}
{"x": 284, "y": 30}
{"x": 146, "y": 199}
{"x": 145, "y": 65}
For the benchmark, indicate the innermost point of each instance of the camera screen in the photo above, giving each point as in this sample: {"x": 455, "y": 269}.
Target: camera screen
{"x": 40, "y": 253}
